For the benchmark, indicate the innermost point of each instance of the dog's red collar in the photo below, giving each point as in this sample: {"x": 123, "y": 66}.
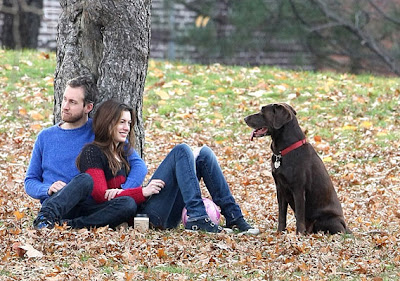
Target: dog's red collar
{"x": 293, "y": 147}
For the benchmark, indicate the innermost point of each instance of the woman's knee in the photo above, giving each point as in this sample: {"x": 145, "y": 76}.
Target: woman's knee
{"x": 207, "y": 152}
{"x": 182, "y": 148}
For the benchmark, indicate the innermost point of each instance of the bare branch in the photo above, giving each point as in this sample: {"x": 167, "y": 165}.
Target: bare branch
{"x": 338, "y": 49}
{"x": 386, "y": 16}
{"x": 15, "y": 9}
{"x": 24, "y": 7}
{"x": 364, "y": 37}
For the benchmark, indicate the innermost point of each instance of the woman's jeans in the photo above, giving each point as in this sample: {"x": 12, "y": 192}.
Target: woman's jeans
{"x": 74, "y": 205}
{"x": 181, "y": 173}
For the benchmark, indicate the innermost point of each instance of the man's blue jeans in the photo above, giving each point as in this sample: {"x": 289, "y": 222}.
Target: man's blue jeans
{"x": 74, "y": 205}
{"x": 181, "y": 173}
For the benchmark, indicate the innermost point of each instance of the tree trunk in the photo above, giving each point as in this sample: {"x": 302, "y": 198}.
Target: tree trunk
{"x": 21, "y": 23}
{"x": 109, "y": 39}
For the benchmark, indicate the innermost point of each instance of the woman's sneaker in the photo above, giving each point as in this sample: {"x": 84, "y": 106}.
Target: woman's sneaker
{"x": 204, "y": 224}
{"x": 241, "y": 226}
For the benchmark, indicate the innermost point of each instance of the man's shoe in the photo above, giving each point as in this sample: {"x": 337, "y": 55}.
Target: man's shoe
{"x": 241, "y": 226}
{"x": 205, "y": 224}
{"x": 42, "y": 222}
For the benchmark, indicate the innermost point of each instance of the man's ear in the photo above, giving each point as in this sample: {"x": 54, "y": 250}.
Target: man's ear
{"x": 282, "y": 114}
{"x": 88, "y": 107}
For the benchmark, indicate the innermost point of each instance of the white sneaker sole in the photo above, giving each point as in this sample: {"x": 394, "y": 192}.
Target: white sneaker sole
{"x": 251, "y": 231}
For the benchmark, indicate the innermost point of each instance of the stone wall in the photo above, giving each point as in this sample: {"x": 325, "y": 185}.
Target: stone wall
{"x": 168, "y": 22}
{"x": 48, "y": 26}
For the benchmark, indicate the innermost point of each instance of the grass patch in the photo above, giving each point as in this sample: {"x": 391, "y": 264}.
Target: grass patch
{"x": 4, "y": 272}
{"x": 26, "y": 87}
{"x": 333, "y": 106}
{"x": 169, "y": 269}
{"x": 352, "y": 121}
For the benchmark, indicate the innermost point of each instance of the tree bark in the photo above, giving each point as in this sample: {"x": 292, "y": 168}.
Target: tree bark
{"x": 110, "y": 40}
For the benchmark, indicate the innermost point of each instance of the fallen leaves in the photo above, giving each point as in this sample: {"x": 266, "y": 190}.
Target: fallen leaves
{"x": 18, "y": 215}
{"x": 27, "y": 250}
{"x": 201, "y": 21}
{"x": 35, "y": 115}
{"x": 360, "y": 150}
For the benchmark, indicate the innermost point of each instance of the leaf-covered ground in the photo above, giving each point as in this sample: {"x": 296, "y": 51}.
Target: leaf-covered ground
{"x": 353, "y": 122}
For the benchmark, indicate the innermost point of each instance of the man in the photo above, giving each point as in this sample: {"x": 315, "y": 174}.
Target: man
{"x": 53, "y": 178}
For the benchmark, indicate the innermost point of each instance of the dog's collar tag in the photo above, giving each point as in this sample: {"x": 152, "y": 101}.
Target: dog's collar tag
{"x": 277, "y": 162}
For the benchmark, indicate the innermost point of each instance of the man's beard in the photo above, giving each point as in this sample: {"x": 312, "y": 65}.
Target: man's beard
{"x": 67, "y": 118}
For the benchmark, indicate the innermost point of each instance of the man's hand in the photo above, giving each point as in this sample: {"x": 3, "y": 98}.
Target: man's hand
{"x": 58, "y": 185}
{"x": 153, "y": 187}
{"x": 111, "y": 193}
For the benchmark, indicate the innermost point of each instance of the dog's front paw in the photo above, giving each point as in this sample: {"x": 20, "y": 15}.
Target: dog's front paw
{"x": 281, "y": 228}
{"x": 301, "y": 227}
{"x": 301, "y": 230}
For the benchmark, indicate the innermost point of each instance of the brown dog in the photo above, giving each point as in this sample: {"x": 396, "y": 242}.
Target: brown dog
{"x": 300, "y": 176}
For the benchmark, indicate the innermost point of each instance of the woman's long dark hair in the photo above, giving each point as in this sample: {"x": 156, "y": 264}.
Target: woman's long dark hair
{"x": 105, "y": 119}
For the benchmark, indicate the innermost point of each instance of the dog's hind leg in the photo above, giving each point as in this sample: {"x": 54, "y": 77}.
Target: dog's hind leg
{"x": 310, "y": 226}
{"x": 332, "y": 225}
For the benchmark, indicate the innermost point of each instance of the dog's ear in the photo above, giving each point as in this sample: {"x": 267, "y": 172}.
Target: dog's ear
{"x": 290, "y": 108}
{"x": 283, "y": 113}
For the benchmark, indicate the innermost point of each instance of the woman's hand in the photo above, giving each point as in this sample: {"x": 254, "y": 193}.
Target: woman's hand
{"x": 154, "y": 187}
{"x": 111, "y": 193}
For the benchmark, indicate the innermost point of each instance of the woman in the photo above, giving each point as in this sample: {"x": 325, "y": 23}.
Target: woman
{"x": 174, "y": 185}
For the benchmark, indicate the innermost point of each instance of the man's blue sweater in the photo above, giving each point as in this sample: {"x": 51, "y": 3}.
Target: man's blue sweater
{"x": 53, "y": 159}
